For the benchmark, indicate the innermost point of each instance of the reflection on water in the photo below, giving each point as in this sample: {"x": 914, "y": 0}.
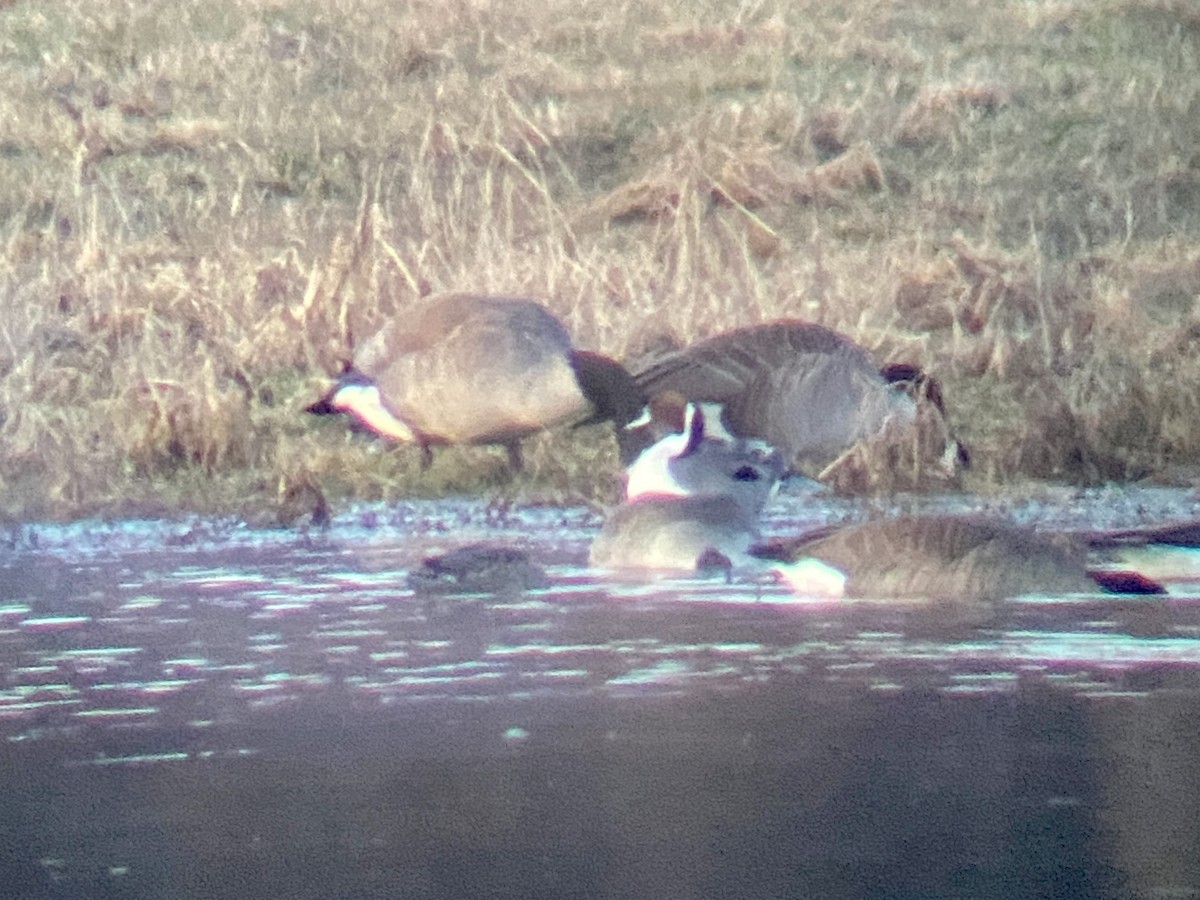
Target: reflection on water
{"x": 207, "y": 711}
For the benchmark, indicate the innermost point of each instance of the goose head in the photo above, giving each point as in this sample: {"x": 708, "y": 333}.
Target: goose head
{"x": 358, "y": 395}
{"x": 698, "y": 462}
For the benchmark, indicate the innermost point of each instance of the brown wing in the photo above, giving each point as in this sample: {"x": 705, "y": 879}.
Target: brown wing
{"x": 722, "y": 367}
{"x": 948, "y": 557}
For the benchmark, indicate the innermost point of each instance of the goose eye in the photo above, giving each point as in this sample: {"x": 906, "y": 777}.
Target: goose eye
{"x": 746, "y": 473}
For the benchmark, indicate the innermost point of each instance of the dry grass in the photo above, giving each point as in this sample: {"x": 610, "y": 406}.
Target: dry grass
{"x": 202, "y": 206}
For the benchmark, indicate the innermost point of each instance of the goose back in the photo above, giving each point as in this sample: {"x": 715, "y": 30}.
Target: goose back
{"x": 478, "y": 568}
{"x": 475, "y": 369}
{"x": 954, "y": 558}
{"x": 803, "y": 388}
{"x": 661, "y": 532}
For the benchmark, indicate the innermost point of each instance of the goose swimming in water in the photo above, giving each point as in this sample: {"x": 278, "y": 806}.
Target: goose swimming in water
{"x": 695, "y": 455}
{"x": 478, "y": 568}
{"x": 963, "y": 558}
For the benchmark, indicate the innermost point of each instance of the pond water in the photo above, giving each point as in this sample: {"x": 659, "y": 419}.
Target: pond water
{"x": 199, "y": 709}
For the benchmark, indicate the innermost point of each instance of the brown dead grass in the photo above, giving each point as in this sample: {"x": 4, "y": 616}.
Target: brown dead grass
{"x": 204, "y": 207}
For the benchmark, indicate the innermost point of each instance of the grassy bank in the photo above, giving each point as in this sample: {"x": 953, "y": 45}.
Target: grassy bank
{"x": 202, "y": 205}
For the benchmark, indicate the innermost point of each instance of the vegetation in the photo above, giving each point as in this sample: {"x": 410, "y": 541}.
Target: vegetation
{"x": 202, "y": 205}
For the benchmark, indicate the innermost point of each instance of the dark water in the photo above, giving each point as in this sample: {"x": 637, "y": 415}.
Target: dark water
{"x": 198, "y": 710}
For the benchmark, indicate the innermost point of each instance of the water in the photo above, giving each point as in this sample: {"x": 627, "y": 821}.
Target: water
{"x": 202, "y": 710}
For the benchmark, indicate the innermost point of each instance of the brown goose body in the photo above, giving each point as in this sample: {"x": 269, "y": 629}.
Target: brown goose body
{"x": 946, "y": 557}
{"x": 805, "y": 389}
{"x": 471, "y": 369}
{"x": 664, "y": 532}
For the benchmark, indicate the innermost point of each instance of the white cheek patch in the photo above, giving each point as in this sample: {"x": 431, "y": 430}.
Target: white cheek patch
{"x": 714, "y": 422}
{"x": 949, "y": 460}
{"x": 363, "y": 402}
{"x": 650, "y": 473}
{"x": 703, "y": 459}
{"x": 813, "y": 578}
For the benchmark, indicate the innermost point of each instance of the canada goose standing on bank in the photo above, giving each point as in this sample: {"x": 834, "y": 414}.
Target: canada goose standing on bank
{"x": 807, "y": 390}
{"x": 475, "y": 369}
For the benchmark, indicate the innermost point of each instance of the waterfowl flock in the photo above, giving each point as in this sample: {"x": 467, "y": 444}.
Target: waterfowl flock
{"x": 707, "y": 433}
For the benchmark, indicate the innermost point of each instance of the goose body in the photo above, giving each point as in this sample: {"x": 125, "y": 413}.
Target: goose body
{"x": 807, "y": 390}
{"x": 674, "y": 533}
{"x": 472, "y": 369}
{"x": 948, "y": 557}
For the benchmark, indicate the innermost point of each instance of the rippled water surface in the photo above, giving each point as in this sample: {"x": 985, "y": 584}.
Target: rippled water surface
{"x": 201, "y": 710}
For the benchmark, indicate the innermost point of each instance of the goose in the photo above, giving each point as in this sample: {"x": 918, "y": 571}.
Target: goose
{"x": 695, "y": 453}
{"x": 805, "y": 389}
{"x": 675, "y": 533}
{"x": 478, "y": 369}
{"x": 688, "y": 502}
{"x": 963, "y": 558}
